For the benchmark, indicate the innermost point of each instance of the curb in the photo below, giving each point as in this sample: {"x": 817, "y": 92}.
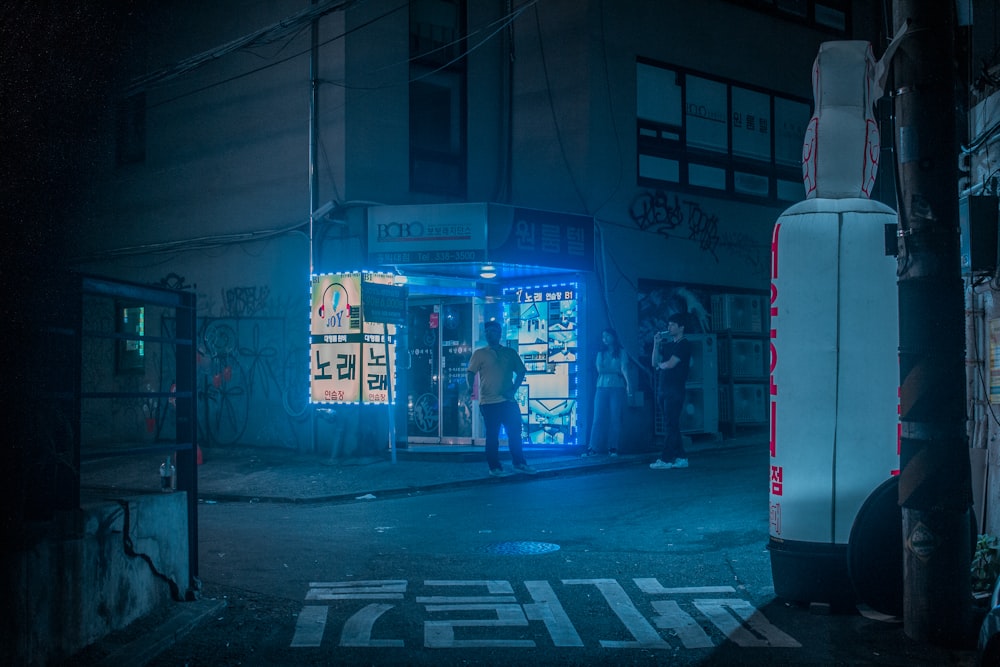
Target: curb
{"x": 144, "y": 649}
{"x": 572, "y": 467}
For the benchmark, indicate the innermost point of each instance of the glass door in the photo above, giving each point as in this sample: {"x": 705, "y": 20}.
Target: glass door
{"x": 441, "y": 342}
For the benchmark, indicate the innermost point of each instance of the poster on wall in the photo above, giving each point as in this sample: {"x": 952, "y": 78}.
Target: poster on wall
{"x": 728, "y": 329}
{"x": 542, "y": 324}
{"x": 659, "y": 300}
{"x": 351, "y": 360}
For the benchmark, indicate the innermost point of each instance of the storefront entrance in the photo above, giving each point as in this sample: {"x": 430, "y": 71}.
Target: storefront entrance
{"x": 441, "y": 341}
{"x": 442, "y": 332}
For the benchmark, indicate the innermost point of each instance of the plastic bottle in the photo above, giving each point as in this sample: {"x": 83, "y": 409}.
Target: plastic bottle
{"x": 167, "y": 476}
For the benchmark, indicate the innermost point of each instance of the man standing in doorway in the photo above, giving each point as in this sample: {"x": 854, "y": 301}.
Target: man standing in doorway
{"x": 501, "y": 372}
{"x": 671, "y": 361}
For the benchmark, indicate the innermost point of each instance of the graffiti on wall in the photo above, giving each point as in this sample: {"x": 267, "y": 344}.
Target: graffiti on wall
{"x": 251, "y": 381}
{"x": 662, "y": 213}
{"x": 244, "y": 301}
{"x": 666, "y": 214}
{"x": 251, "y": 384}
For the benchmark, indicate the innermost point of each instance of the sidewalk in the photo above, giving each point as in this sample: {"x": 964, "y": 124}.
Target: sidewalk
{"x": 230, "y": 474}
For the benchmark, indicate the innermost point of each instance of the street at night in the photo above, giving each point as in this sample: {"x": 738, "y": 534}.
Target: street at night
{"x": 621, "y": 565}
{"x": 353, "y": 332}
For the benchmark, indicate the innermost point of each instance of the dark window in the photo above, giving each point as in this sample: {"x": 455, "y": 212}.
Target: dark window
{"x": 699, "y": 133}
{"x": 833, "y": 16}
{"x": 438, "y": 144}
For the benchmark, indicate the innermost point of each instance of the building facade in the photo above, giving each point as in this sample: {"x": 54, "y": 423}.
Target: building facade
{"x": 634, "y": 155}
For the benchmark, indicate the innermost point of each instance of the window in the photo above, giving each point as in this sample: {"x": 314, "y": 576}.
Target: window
{"x": 438, "y": 144}
{"x": 828, "y": 15}
{"x": 700, "y": 133}
{"x": 130, "y": 326}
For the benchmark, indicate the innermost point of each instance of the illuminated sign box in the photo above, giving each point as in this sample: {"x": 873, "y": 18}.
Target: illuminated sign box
{"x": 425, "y": 234}
{"x": 542, "y": 324}
{"x": 352, "y": 344}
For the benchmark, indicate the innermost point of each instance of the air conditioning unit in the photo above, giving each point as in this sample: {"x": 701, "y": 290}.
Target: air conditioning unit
{"x": 700, "y": 413}
{"x": 749, "y": 404}
{"x": 747, "y": 359}
{"x": 704, "y": 359}
{"x": 740, "y": 313}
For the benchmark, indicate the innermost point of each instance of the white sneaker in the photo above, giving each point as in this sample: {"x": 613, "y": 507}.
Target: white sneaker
{"x": 680, "y": 463}
{"x": 499, "y": 472}
{"x": 661, "y": 465}
{"x": 525, "y": 468}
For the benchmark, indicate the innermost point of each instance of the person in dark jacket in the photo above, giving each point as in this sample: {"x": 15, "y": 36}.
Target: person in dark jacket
{"x": 671, "y": 362}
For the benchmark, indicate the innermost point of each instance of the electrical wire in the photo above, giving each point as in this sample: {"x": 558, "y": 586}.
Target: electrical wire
{"x": 268, "y": 35}
{"x": 555, "y": 117}
{"x": 611, "y": 109}
{"x": 486, "y": 39}
{"x": 602, "y": 279}
{"x": 277, "y": 62}
{"x": 168, "y": 74}
{"x": 200, "y": 243}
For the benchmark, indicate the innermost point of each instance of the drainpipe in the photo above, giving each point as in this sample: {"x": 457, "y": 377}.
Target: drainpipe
{"x": 935, "y": 489}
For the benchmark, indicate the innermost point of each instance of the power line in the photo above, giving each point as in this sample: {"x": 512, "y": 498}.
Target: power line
{"x": 298, "y": 22}
{"x": 268, "y": 35}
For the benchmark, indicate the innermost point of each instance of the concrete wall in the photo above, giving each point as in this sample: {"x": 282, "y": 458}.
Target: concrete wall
{"x": 91, "y": 573}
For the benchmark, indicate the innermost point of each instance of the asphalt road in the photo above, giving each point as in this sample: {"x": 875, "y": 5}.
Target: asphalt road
{"x": 623, "y": 566}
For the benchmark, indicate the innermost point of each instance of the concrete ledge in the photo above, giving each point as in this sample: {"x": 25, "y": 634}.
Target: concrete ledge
{"x": 142, "y": 650}
{"x": 116, "y": 561}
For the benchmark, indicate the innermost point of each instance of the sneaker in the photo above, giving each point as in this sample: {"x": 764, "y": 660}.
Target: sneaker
{"x": 680, "y": 463}
{"x": 613, "y": 453}
{"x": 588, "y": 453}
{"x": 660, "y": 465}
{"x": 525, "y": 468}
{"x": 499, "y": 472}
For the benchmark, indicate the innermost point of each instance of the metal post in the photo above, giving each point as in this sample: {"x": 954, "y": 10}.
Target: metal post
{"x": 313, "y": 173}
{"x": 313, "y": 135}
{"x": 935, "y": 489}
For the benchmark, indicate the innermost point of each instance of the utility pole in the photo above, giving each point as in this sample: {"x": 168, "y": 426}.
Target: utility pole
{"x": 935, "y": 489}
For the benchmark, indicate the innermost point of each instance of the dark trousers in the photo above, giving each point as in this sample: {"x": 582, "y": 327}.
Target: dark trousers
{"x": 609, "y": 411}
{"x": 508, "y": 415}
{"x": 673, "y": 445}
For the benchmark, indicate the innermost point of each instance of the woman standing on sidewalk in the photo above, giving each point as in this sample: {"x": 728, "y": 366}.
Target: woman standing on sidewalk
{"x": 610, "y": 399}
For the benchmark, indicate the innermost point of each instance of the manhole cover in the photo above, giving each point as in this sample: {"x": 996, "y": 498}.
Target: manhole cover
{"x": 521, "y": 548}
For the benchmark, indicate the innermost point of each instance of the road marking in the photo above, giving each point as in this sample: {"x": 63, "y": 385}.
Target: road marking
{"x": 310, "y": 626}
{"x": 670, "y": 616}
{"x": 392, "y": 589}
{"x": 654, "y": 587}
{"x": 441, "y": 634}
{"x": 547, "y": 609}
{"x": 716, "y": 611}
{"x": 358, "y": 628}
{"x": 645, "y": 634}
{"x": 489, "y": 603}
